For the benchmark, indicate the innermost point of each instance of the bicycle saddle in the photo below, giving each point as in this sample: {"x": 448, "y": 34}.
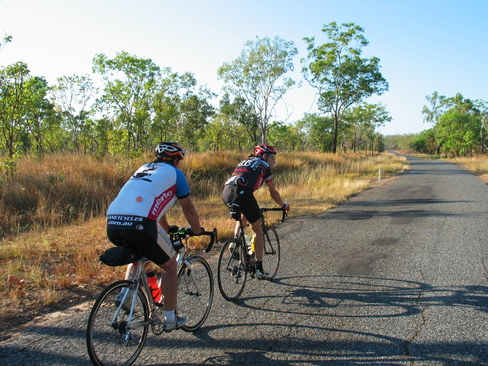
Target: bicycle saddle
{"x": 235, "y": 211}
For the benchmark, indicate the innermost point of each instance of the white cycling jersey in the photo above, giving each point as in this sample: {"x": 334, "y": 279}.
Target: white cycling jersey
{"x": 150, "y": 192}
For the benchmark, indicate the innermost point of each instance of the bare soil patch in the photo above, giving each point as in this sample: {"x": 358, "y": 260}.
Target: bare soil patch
{"x": 17, "y": 313}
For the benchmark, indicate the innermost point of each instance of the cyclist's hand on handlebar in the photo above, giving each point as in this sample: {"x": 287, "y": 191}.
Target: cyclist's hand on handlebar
{"x": 286, "y": 206}
{"x": 192, "y": 231}
{"x": 173, "y": 229}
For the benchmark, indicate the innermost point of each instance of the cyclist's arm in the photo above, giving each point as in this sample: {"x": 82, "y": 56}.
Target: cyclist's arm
{"x": 190, "y": 213}
{"x": 275, "y": 195}
{"x": 164, "y": 223}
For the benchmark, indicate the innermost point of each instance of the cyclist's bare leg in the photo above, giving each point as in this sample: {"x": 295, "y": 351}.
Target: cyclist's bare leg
{"x": 244, "y": 224}
{"x": 169, "y": 285}
{"x": 132, "y": 271}
{"x": 258, "y": 240}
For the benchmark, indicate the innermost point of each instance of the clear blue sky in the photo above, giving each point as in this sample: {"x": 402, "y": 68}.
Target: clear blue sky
{"x": 424, "y": 45}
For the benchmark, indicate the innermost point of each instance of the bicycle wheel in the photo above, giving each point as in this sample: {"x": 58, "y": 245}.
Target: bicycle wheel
{"x": 271, "y": 258}
{"x": 231, "y": 271}
{"x": 195, "y": 292}
{"x": 110, "y": 339}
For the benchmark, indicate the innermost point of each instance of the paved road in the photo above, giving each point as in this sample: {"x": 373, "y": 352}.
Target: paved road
{"x": 396, "y": 276}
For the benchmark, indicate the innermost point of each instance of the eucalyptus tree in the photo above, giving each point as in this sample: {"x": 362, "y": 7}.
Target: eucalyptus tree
{"x": 438, "y": 106}
{"x": 224, "y": 133}
{"x": 286, "y": 137}
{"x": 459, "y": 133}
{"x": 341, "y": 77}
{"x": 181, "y": 108}
{"x": 72, "y": 96}
{"x": 459, "y": 128}
{"x": 14, "y": 106}
{"x": 25, "y": 113}
{"x": 41, "y": 120}
{"x": 319, "y": 130}
{"x": 195, "y": 111}
{"x": 258, "y": 76}
{"x": 129, "y": 83}
{"x": 364, "y": 119}
{"x": 166, "y": 102}
{"x": 483, "y": 108}
{"x": 6, "y": 39}
{"x": 240, "y": 111}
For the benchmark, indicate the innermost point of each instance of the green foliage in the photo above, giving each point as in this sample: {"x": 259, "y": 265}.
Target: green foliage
{"x": 243, "y": 114}
{"x": 257, "y": 77}
{"x": 72, "y": 95}
{"x": 26, "y": 114}
{"x": 140, "y": 104}
{"x": 129, "y": 83}
{"x": 458, "y": 133}
{"x": 319, "y": 130}
{"x": 341, "y": 77}
{"x": 6, "y": 39}
{"x": 362, "y": 121}
{"x": 8, "y": 167}
{"x": 459, "y": 125}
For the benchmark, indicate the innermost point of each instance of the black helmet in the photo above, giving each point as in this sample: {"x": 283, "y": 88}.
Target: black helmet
{"x": 169, "y": 151}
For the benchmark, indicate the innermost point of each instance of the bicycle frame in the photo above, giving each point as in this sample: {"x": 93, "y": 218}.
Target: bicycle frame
{"x": 141, "y": 276}
{"x": 138, "y": 278}
{"x": 235, "y": 260}
{"x": 125, "y": 311}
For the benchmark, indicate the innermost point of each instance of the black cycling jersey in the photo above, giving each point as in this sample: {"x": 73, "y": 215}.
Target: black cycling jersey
{"x": 251, "y": 173}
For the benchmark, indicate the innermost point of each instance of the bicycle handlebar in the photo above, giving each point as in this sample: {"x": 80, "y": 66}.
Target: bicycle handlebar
{"x": 265, "y": 209}
{"x": 185, "y": 232}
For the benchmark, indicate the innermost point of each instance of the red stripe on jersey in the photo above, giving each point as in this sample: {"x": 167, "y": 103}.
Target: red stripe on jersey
{"x": 160, "y": 202}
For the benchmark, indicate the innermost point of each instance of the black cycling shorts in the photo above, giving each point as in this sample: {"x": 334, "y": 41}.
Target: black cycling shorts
{"x": 145, "y": 235}
{"x": 245, "y": 199}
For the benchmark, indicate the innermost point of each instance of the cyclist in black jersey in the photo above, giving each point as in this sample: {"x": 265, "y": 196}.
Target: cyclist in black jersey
{"x": 247, "y": 177}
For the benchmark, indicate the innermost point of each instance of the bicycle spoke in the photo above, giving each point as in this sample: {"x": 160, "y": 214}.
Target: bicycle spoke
{"x": 113, "y": 336}
{"x": 195, "y": 292}
{"x": 271, "y": 258}
{"x": 231, "y": 273}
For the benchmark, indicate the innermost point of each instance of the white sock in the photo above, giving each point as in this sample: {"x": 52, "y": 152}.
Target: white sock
{"x": 169, "y": 316}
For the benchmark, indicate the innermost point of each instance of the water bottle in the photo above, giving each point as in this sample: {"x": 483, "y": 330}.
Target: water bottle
{"x": 154, "y": 287}
{"x": 247, "y": 239}
{"x": 252, "y": 243}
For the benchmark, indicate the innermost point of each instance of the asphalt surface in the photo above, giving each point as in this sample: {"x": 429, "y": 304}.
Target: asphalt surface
{"x": 397, "y": 275}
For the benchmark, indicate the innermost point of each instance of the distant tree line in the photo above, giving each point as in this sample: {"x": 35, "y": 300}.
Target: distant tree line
{"x": 139, "y": 103}
{"x": 460, "y": 126}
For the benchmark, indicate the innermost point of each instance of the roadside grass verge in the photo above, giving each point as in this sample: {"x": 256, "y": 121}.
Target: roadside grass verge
{"x": 54, "y": 227}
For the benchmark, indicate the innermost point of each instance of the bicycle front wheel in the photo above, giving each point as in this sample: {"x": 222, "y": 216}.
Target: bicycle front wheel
{"x": 113, "y": 337}
{"x": 231, "y": 270}
{"x": 195, "y": 292}
{"x": 271, "y": 258}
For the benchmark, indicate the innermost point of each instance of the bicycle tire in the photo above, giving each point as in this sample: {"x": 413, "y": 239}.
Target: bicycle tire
{"x": 107, "y": 339}
{"x": 195, "y": 292}
{"x": 271, "y": 257}
{"x": 231, "y": 270}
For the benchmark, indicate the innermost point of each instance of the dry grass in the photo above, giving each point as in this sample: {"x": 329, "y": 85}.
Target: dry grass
{"x": 478, "y": 165}
{"x": 63, "y": 198}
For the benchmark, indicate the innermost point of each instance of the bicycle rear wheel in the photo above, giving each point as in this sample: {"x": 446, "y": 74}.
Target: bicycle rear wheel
{"x": 110, "y": 339}
{"x": 231, "y": 271}
{"x": 195, "y": 292}
{"x": 271, "y": 258}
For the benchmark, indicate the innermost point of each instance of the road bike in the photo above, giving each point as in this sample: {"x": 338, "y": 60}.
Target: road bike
{"x": 123, "y": 313}
{"x": 237, "y": 258}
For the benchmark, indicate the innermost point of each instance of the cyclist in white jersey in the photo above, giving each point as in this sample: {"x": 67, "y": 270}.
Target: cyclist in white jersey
{"x": 138, "y": 216}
